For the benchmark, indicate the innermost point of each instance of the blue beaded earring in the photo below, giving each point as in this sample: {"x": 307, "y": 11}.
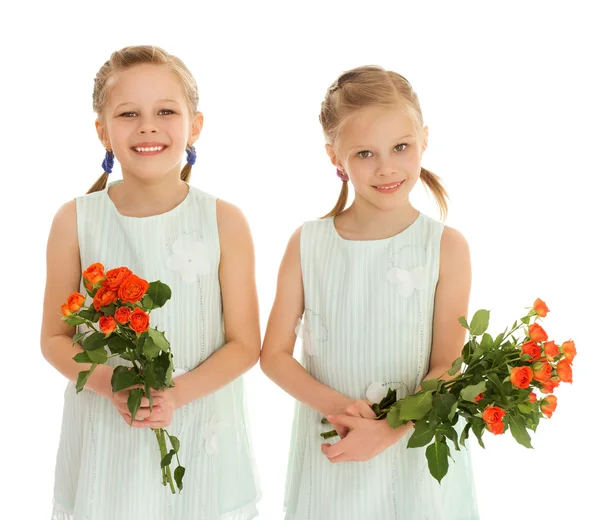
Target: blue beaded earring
{"x": 191, "y": 154}
{"x": 108, "y": 162}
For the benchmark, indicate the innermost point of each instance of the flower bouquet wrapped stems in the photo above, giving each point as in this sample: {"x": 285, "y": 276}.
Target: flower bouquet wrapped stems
{"x": 507, "y": 383}
{"x": 116, "y": 324}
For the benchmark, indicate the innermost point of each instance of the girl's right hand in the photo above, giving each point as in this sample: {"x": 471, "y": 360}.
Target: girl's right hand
{"x": 119, "y": 401}
{"x": 355, "y": 408}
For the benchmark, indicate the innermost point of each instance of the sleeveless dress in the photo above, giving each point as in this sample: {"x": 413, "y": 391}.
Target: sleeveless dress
{"x": 367, "y": 326}
{"x": 106, "y": 470}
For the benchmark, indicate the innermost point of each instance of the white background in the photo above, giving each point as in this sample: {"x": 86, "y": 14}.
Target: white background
{"x": 510, "y": 94}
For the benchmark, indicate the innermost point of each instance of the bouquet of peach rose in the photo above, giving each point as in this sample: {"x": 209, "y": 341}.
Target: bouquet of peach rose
{"x": 498, "y": 390}
{"x": 116, "y": 324}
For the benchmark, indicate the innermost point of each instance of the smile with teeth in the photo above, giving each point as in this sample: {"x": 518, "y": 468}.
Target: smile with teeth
{"x": 149, "y": 149}
{"x": 389, "y": 187}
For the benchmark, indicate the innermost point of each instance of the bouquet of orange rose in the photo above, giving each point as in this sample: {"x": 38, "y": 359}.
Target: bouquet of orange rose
{"x": 498, "y": 390}
{"x": 116, "y": 324}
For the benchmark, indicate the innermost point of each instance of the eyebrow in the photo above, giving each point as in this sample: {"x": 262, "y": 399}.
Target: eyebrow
{"x": 397, "y": 139}
{"x": 159, "y": 101}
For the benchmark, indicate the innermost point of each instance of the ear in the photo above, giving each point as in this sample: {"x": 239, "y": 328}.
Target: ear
{"x": 197, "y": 124}
{"x": 333, "y": 157}
{"x": 103, "y": 134}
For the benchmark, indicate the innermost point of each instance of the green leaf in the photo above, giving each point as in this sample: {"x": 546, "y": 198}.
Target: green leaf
{"x": 179, "y": 472}
{"x": 167, "y": 459}
{"x": 82, "y": 378}
{"x": 480, "y": 322}
{"x": 465, "y": 434}
{"x": 433, "y": 418}
{"x": 151, "y": 349}
{"x": 119, "y": 345}
{"x": 524, "y": 407}
{"x": 73, "y": 320}
{"x": 78, "y": 337}
{"x": 487, "y": 342}
{"x": 134, "y": 401}
{"x": 174, "y": 442}
{"x": 422, "y": 434}
{"x": 109, "y": 310}
{"x": 468, "y": 393}
{"x": 393, "y": 416}
{"x": 86, "y": 313}
{"x": 437, "y": 458}
{"x": 159, "y": 292}
{"x": 416, "y": 406}
{"x": 443, "y": 404}
{"x": 499, "y": 339}
{"x": 98, "y": 356}
{"x": 517, "y": 428}
{"x": 456, "y": 366}
{"x": 449, "y": 432}
{"x": 496, "y": 382}
{"x": 82, "y": 357}
{"x": 95, "y": 341}
{"x": 147, "y": 303}
{"x": 159, "y": 339}
{"x": 429, "y": 385}
{"x": 389, "y": 399}
{"x": 123, "y": 378}
{"x": 463, "y": 322}
{"x": 453, "y": 409}
{"x": 478, "y": 428}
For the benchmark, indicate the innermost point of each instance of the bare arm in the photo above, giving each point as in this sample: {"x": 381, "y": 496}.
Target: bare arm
{"x": 277, "y": 360}
{"x": 451, "y": 302}
{"x": 240, "y": 309}
{"x": 63, "y": 275}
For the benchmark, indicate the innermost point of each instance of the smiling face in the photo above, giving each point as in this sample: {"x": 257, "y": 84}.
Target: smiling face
{"x": 379, "y": 149}
{"x": 147, "y": 122}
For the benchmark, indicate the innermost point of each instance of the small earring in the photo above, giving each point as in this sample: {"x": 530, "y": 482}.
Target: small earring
{"x": 191, "y": 154}
{"x": 342, "y": 175}
{"x": 108, "y": 162}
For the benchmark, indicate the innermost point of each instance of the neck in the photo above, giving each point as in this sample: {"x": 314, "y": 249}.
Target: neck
{"x": 137, "y": 197}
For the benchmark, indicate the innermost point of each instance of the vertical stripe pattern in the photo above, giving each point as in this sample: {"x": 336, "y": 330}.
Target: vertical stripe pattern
{"x": 369, "y": 319}
{"x": 107, "y": 470}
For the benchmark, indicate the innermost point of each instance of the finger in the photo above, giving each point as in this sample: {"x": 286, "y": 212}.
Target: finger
{"x": 158, "y": 424}
{"x": 344, "y": 457}
{"x": 343, "y": 420}
{"x": 333, "y": 450}
{"x": 365, "y": 410}
{"x": 134, "y": 424}
{"x": 155, "y": 400}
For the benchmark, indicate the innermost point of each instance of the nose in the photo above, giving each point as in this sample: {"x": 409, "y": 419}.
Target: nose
{"x": 386, "y": 167}
{"x": 147, "y": 125}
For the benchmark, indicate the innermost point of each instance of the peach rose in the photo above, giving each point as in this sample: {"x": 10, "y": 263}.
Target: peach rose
{"x": 548, "y": 405}
{"x": 133, "y": 289}
{"x": 521, "y": 376}
{"x": 569, "y": 350}
{"x": 551, "y": 349}
{"x": 549, "y": 385}
{"x": 564, "y": 371}
{"x": 540, "y": 308}
{"x": 75, "y": 301}
{"x": 542, "y": 371}
{"x": 139, "y": 320}
{"x": 537, "y": 333}
{"x": 107, "y": 324}
{"x": 93, "y": 275}
{"x": 64, "y": 308}
{"x": 115, "y": 277}
{"x": 123, "y": 314}
{"x": 533, "y": 349}
{"x": 104, "y": 297}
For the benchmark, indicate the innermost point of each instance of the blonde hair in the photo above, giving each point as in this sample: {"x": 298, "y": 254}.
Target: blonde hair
{"x": 373, "y": 86}
{"x": 137, "y": 55}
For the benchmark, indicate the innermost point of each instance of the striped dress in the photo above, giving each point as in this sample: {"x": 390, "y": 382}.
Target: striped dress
{"x": 367, "y": 326}
{"x": 106, "y": 470}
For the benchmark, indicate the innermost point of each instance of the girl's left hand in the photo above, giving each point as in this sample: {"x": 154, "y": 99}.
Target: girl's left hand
{"x": 366, "y": 438}
{"x": 161, "y": 415}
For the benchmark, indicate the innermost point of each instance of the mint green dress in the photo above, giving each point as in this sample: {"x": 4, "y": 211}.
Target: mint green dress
{"x": 367, "y": 326}
{"x": 106, "y": 470}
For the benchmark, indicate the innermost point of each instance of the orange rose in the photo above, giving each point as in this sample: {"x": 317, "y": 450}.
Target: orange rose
{"x": 542, "y": 371}
{"x": 564, "y": 371}
{"x": 532, "y": 397}
{"x": 64, "y": 308}
{"x": 123, "y": 314}
{"x": 478, "y": 398}
{"x": 93, "y": 274}
{"x": 107, "y": 324}
{"x": 533, "y": 349}
{"x": 75, "y": 301}
{"x": 537, "y": 333}
{"x": 115, "y": 277}
{"x": 493, "y": 414}
{"x": 104, "y": 297}
{"x": 549, "y": 386}
{"x": 139, "y": 320}
{"x": 133, "y": 289}
{"x": 551, "y": 349}
{"x": 521, "y": 376}
{"x": 548, "y": 405}
{"x": 540, "y": 308}
{"x": 569, "y": 350}
{"x": 496, "y": 428}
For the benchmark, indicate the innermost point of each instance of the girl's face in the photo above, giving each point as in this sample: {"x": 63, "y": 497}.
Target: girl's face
{"x": 380, "y": 151}
{"x": 146, "y": 121}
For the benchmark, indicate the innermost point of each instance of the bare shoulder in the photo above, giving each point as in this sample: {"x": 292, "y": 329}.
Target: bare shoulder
{"x": 230, "y": 218}
{"x": 64, "y": 224}
{"x": 454, "y": 252}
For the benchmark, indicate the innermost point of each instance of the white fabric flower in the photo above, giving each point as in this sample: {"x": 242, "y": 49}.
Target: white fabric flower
{"x": 408, "y": 281}
{"x": 189, "y": 259}
{"x": 376, "y": 391}
{"x": 304, "y": 333}
{"x": 211, "y": 444}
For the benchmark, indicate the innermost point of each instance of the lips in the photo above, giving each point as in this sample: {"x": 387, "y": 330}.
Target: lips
{"x": 149, "y": 147}
{"x": 389, "y": 188}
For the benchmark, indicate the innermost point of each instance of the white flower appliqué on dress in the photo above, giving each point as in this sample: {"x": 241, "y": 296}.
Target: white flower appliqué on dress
{"x": 376, "y": 391}
{"x": 189, "y": 259}
{"x": 408, "y": 281}
{"x": 303, "y": 332}
{"x": 211, "y": 437}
